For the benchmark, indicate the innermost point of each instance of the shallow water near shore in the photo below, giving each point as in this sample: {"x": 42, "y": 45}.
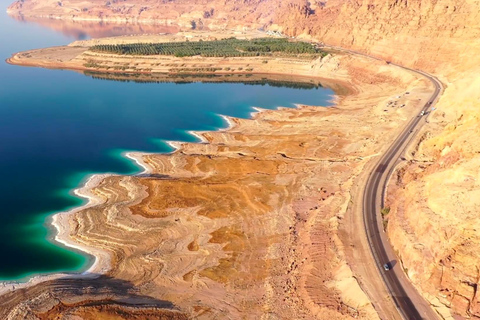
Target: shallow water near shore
{"x": 57, "y": 127}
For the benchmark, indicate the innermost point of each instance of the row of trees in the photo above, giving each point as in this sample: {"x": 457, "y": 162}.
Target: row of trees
{"x": 219, "y": 48}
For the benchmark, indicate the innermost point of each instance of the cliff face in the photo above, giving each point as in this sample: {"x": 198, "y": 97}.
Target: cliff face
{"x": 435, "y": 198}
{"x": 431, "y": 35}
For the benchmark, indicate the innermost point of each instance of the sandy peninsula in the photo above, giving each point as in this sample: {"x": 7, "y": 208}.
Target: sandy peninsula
{"x": 255, "y": 222}
{"x": 79, "y": 56}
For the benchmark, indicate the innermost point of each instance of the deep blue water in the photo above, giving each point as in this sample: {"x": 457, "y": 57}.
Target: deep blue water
{"x": 56, "y": 127}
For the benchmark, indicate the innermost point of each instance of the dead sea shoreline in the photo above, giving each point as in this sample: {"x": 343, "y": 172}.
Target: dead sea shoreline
{"x": 347, "y": 125}
{"x": 99, "y": 260}
{"x": 433, "y": 199}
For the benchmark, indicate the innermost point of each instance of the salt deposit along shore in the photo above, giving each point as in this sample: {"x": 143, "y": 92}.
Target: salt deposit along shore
{"x": 245, "y": 223}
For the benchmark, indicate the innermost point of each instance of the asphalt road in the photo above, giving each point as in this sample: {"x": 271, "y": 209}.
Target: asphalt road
{"x": 410, "y": 304}
{"x": 408, "y": 301}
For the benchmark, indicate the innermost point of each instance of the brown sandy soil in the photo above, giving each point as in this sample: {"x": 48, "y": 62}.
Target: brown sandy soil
{"x": 246, "y": 224}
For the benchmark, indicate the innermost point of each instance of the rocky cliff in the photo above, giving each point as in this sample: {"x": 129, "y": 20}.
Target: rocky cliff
{"x": 434, "y": 199}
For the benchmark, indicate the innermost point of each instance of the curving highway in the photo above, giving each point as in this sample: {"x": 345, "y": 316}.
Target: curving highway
{"x": 409, "y": 303}
{"x": 407, "y": 300}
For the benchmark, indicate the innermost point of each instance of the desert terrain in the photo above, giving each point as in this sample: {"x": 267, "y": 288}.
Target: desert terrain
{"x": 245, "y": 224}
{"x": 433, "y": 198}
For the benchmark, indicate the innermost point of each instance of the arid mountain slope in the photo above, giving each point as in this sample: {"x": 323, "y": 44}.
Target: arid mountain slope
{"x": 434, "y": 219}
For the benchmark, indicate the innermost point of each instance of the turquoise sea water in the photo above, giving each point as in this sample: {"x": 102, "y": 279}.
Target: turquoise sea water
{"x": 57, "y": 127}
